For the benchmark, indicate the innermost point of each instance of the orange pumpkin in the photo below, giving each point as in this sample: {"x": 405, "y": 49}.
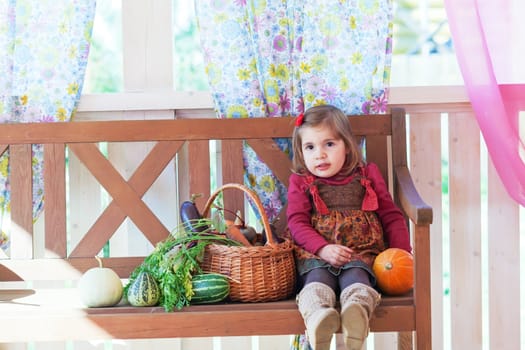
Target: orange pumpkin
{"x": 394, "y": 270}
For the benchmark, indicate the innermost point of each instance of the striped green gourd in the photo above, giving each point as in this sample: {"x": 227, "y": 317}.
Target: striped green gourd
{"x": 144, "y": 291}
{"x": 209, "y": 288}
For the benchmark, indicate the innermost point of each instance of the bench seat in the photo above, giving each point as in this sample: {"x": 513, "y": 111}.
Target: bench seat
{"x": 56, "y": 314}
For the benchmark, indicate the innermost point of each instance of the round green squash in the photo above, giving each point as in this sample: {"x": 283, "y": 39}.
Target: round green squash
{"x": 209, "y": 288}
{"x": 144, "y": 291}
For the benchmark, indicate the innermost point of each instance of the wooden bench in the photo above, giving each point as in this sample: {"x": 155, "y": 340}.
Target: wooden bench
{"x": 34, "y": 309}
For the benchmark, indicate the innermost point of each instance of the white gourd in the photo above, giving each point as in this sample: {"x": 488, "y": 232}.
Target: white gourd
{"x": 100, "y": 287}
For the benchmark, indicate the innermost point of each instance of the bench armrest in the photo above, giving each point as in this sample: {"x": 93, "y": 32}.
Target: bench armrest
{"x": 420, "y": 214}
{"x": 415, "y": 208}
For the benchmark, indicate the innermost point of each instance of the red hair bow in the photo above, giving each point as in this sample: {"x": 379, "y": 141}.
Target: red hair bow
{"x": 299, "y": 119}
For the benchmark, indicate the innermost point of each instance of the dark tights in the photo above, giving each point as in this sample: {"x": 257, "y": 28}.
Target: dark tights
{"x": 345, "y": 278}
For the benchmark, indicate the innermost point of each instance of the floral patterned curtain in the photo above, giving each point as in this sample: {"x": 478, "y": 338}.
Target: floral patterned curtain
{"x": 45, "y": 46}
{"x": 276, "y": 58}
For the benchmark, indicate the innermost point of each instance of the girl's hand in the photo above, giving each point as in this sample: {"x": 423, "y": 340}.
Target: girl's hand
{"x": 335, "y": 254}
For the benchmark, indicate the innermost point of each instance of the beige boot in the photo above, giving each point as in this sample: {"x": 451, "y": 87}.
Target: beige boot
{"x": 316, "y": 303}
{"x": 358, "y": 303}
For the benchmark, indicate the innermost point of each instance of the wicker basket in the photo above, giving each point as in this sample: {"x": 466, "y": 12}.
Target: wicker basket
{"x": 258, "y": 273}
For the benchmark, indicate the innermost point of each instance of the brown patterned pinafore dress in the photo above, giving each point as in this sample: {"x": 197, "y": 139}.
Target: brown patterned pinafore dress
{"x": 346, "y": 223}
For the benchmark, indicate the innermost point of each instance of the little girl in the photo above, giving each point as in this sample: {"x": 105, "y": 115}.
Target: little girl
{"x": 340, "y": 215}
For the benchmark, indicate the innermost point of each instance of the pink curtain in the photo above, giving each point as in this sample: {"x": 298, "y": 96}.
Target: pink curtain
{"x": 488, "y": 37}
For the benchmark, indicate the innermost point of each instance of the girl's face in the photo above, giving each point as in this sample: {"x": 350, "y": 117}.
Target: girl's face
{"x": 323, "y": 153}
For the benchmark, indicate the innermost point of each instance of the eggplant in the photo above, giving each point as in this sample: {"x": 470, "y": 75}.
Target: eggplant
{"x": 191, "y": 218}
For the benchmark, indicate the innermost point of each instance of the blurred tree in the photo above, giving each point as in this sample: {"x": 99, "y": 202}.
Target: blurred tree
{"x": 420, "y": 27}
{"x": 189, "y": 74}
{"x": 104, "y": 68}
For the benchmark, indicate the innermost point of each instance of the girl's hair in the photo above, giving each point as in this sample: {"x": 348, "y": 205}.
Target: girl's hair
{"x": 333, "y": 118}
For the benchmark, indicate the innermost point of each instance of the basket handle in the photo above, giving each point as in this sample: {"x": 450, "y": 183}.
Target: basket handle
{"x": 253, "y": 196}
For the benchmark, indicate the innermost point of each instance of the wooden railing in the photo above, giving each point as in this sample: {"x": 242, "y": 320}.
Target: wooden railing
{"x": 476, "y": 232}
{"x": 475, "y": 235}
